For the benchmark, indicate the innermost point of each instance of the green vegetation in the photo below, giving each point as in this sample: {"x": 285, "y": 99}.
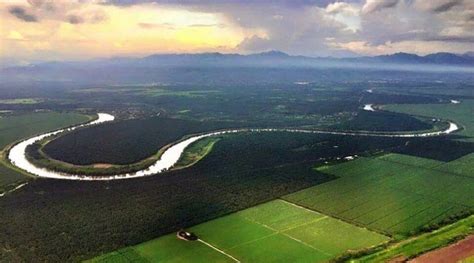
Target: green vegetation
{"x": 241, "y": 171}
{"x": 21, "y": 101}
{"x": 392, "y": 194}
{"x": 196, "y": 151}
{"x": 461, "y": 113}
{"x": 252, "y": 235}
{"x": 462, "y": 166}
{"x": 125, "y": 142}
{"x": 417, "y": 245}
{"x": 383, "y": 121}
{"x": 468, "y": 260}
{"x": 16, "y": 127}
{"x": 35, "y": 155}
{"x": 397, "y": 194}
{"x": 411, "y": 160}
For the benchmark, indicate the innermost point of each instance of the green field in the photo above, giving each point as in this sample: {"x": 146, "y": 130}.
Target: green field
{"x": 13, "y": 128}
{"x": 195, "y": 152}
{"x": 461, "y": 113}
{"x": 462, "y": 166}
{"x": 21, "y": 101}
{"x": 394, "y": 194}
{"x": 276, "y": 231}
{"x": 415, "y": 246}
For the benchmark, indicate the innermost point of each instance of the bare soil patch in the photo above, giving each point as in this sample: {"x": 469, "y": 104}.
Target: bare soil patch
{"x": 453, "y": 253}
{"x": 102, "y": 165}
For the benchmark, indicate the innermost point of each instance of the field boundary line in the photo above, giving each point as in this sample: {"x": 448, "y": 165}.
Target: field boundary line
{"x": 434, "y": 168}
{"x": 306, "y": 244}
{"x": 302, "y": 207}
{"x": 282, "y": 232}
{"x": 218, "y": 250}
{"x": 304, "y": 224}
{"x": 254, "y": 240}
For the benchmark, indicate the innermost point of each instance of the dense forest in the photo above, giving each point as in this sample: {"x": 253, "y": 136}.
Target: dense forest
{"x": 383, "y": 121}
{"x": 124, "y": 142}
{"x": 58, "y": 221}
{"x": 129, "y": 141}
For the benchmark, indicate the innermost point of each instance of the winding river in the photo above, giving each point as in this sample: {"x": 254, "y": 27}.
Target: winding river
{"x": 170, "y": 156}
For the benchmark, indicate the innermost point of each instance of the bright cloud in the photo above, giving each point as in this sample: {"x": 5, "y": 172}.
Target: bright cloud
{"x": 77, "y": 29}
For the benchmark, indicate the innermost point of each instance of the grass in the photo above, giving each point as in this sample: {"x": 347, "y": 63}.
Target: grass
{"x": 468, "y": 260}
{"x": 411, "y": 160}
{"x": 417, "y": 245}
{"x": 393, "y": 194}
{"x": 195, "y": 152}
{"x": 461, "y": 113}
{"x": 21, "y": 101}
{"x": 270, "y": 232}
{"x": 14, "y": 128}
{"x": 462, "y": 166}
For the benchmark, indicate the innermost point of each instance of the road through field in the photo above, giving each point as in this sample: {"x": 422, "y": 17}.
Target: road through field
{"x": 171, "y": 156}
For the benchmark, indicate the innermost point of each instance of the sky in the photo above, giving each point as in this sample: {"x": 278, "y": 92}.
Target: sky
{"x": 44, "y": 30}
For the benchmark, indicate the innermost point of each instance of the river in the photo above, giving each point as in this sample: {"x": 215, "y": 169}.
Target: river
{"x": 171, "y": 155}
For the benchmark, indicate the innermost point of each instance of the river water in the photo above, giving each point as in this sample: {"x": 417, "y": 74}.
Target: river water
{"x": 172, "y": 154}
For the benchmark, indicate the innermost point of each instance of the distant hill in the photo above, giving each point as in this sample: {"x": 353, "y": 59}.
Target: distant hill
{"x": 207, "y": 67}
{"x": 442, "y": 58}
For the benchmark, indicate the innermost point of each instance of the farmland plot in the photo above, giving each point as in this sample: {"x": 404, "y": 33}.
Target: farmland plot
{"x": 391, "y": 193}
{"x": 270, "y": 232}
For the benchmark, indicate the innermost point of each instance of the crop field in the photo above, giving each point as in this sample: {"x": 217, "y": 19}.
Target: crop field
{"x": 21, "y": 101}
{"x": 462, "y": 166}
{"x": 394, "y": 194}
{"x": 412, "y": 247}
{"x": 241, "y": 171}
{"x": 13, "y": 128}
{"x": 462, "y": 113}
{"x": 272, "y": 231}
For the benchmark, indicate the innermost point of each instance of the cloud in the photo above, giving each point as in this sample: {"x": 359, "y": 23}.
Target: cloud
{"x": 255, "y": 43}
{"x": 22, "y": 14}
{"x": 342, "y": 8}
{"x": 70, "y": 11}
{"x": 208, "y": 25}
{"x": 155, "y": 25}
{"x": 75, "y": 19}
{"x": 15, "y": 35}
{"x": 448, "y": 5}
{"x": 206, "y": 3}
{"x": 376, "y": 5}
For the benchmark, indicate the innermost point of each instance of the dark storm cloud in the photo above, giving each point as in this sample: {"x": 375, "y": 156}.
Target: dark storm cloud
{"x": 75, "y": 19}
{"x": 288, "y": 3}
{"x": 459, "y": 39}
{"x": 447, "y": 6}
{"x": 377, "y": 5}
{"x": 22, "y": 14}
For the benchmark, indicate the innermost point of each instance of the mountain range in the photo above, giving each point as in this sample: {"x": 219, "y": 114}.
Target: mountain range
{"x": 171, "y": 67}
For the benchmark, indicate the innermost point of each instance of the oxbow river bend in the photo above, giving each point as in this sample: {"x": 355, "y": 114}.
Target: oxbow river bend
{"x": 172, "y": 154}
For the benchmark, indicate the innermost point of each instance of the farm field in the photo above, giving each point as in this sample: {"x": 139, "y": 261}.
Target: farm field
{"x": 252, "y": 235}
{"x": 415, "y": 246}
{"x": 394, "y": 194}
{"x": 21, "y": 101}
{"x": 461, "y": 113}
{"x": 13, "y": 128}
